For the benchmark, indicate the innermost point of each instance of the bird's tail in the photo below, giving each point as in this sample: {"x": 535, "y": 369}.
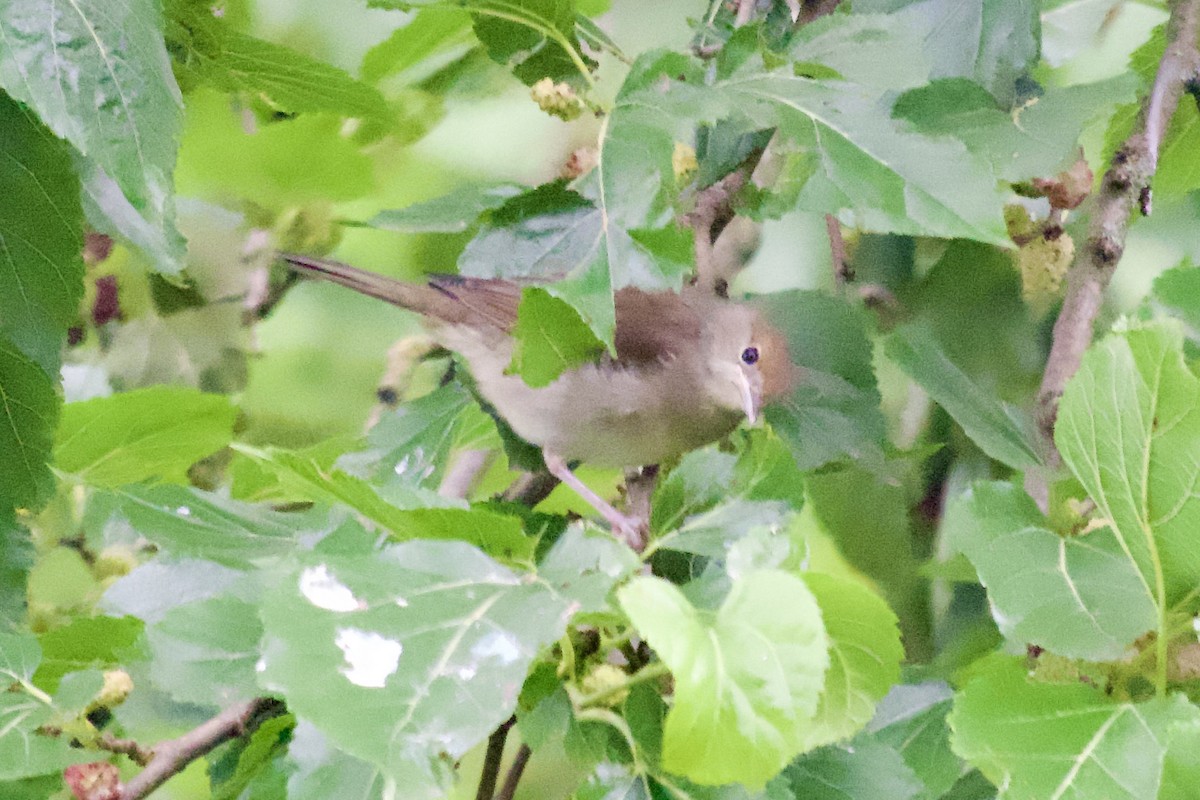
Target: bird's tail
{"x": 414, "y": 297}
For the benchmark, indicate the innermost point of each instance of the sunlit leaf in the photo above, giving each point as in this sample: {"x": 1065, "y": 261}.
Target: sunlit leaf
{"x": 747, "y": 678}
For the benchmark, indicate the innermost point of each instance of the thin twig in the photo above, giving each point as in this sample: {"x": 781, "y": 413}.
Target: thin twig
{"x": 464, "y": 473}
{"x": 128, "y": 747}
{"x": 530, "y": 488}
{"x": 491, "y": 760}
{"x": 509, "y": 789}
{"x": 745, "y": 12}
{"x": 815, "y": 9}
{"x": 172, "y": 756}
{"x": 1122, "y": 189}
{"x": 712, "y": 212}
{"x": 843, "y": 272}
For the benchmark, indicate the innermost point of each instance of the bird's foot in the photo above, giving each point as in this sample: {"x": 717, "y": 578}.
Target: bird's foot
{"x": 633, "y": 531}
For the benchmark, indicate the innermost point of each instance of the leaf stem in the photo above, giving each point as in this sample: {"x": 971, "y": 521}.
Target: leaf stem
{"x": 647, "y": 673}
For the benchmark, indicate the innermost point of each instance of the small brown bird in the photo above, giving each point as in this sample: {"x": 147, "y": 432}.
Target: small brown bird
{"x": 689, "y": 368}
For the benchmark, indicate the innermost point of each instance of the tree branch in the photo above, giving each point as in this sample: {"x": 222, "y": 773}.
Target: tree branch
{"x": 843, "y": 273}
{"x": 712, "y": 212}
{"x": 172, "y": 756}
{"x": 492, "y": 759}
{"x": 509, "y": 789}
{"x": 1124, "y": 187}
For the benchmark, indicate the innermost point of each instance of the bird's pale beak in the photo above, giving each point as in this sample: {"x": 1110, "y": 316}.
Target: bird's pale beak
{"x": 749, "y": 404}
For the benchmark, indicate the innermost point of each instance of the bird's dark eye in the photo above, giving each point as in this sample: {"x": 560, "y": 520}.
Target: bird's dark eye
{"x": 750, "y": 355}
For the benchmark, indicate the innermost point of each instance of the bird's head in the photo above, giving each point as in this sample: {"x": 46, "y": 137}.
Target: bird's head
{"x": 749, "y": 360}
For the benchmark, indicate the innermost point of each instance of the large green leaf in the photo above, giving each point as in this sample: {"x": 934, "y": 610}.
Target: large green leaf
{"x": 912, "y": 719}
{"x": 833, "y": 411}
{"x": 42, "y": 277}
{"x": 97, "y": 73}
{"x": 147, "y": 434}
{"x": 205, "y": 48}
{"x": 1064, "y": 741}
{"x": 1032, "y": 142}
{"x": 1003, "y": 432}
{"x": 410, "y": 657}
{"x": 993, "y": 42}
{"x": 429, "y": 37}
{"x": 864, "y": 657}
{"x": 41, "y": 225}
{"x": 1079, "y": 596}
{"x": 747, "y": 677}
{"x": 868, "y": 168}
{"x": 499, "y": 534}
{"x": 187, "y": 522}
{"x": 1129, "y": 428}
{"x": 864, "y": 771}
{"x": 16, "y": 557}
{"x": 451, "y": 213}
{"x": 28, "y": 412}
{"x": 205, "y": 652}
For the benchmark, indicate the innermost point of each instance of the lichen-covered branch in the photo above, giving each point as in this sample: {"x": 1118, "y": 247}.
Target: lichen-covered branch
{"x": 1125, "y": 186}
{"x": 172, "y": 756}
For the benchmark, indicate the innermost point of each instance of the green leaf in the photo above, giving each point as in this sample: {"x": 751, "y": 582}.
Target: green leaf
{"x": 431, "y": 36}
{"x": 714, "y": 531}
{"x": 1129, "y": 428}
{"x": 1034, "y": 141}
{"x": 413, "y": 655}
{"x": 97, "y": 74}
{"x": 41, "y": 224}
{"x": 833, "y": 411}
{"x": 206, "y": 49}
{"x": 1179, "y": 290}
{"x": 747, "y": 678}
{"x": 536, "y": 37}
{"x": 863, "y": 48}
{"x": 552, "y": 233}
{"x": 864, "y": 657}
{"x": 205, "y": 652}
{"x": 155, "y": 433}
{"x": 550, "y": 338}
{"x": 23, "y": 751}
{"x": 187, "y": 522}
{"x": 243, "y": 763}
{"x": 1079, "y": 596}
{"x": 873, "y": 170}
{"x": 1064, "y": 740}
{"x": 16, "y": 557}
{"x": 912, "y": 720}
{"x": 85, "y": 643}
{"x": 1003, "y": 432}
{"x": 29, "y": 409}
{"x": 499, "y": 534}
{"x": 993, "y": 42}
{"x": 865, "y": 771}
{"x": 451, "y": 213}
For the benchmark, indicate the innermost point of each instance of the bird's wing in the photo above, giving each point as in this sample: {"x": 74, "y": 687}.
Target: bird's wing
{"x": 654, "y": 326}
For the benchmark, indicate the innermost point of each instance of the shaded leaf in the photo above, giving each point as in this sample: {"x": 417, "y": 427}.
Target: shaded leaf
{"x": 1134, "y": 403}
{"x": 97, "y": 74}
{"x": 1079, "y": 596}
{"x": 1003, "y": 432}
{"x": 413, "y": 655}
{"x": 451, "y": 213}
{"x": 866, "y": 771}
{"x": 29, "y": 409}
{"x": 155, "y": 433}
{"x": 1065, "y": 740}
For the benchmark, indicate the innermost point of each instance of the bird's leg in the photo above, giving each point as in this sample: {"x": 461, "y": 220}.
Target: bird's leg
{"x": 630, "y": 530}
